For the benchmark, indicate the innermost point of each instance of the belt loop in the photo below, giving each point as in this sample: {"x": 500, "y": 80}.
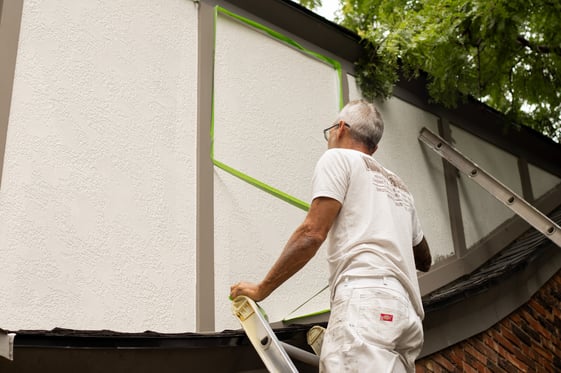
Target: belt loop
{"x": 385, "y": 280}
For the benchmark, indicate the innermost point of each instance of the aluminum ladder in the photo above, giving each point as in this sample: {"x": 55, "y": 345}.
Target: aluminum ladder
{"x": 273, "y": 353}
{"x": 513, "y": 201}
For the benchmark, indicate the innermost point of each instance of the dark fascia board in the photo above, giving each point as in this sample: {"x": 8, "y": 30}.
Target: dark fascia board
{"x": 307, "y": 25}
{"x": 70, "y": 338}
{"x": 471, "y": 116}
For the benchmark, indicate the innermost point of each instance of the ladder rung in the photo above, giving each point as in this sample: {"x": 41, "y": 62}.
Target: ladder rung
{"x": 504, "y": 194}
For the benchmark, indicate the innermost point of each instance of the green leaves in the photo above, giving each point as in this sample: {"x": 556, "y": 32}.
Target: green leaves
{"x": 506, "y": 53}
{"x": 310, "y": 4}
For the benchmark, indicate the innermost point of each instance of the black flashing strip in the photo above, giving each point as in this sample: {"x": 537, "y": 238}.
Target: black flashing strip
{"x": 106, "y": 339}
{"x": 307, "y": 25}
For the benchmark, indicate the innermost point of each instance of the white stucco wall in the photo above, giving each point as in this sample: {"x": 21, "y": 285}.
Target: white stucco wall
{"x": 97, "y": 206}
{"x": 271, "y": 104}
{"x": 542, "y": 181}
{"x": 98, "y": 197}
{"x": 481, "y": 212}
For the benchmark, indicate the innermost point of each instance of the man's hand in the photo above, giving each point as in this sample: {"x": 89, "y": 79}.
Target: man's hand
{"x": 423, "y": 259}
{"x": 248, "y": 289}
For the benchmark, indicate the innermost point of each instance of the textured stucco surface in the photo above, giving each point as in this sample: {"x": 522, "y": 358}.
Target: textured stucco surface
{"x": 542, "y": 181}
{"x": 98, "y": 200}
{"x": 271, "y": 104}
{"x": 97, "y": 206}
{"x": 481, "y": 212}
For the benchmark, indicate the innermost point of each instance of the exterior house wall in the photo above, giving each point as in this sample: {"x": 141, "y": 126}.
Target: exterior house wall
{"x": 99, "y": 195}
{"x": 481, "y": 211}
{"x": 98, "y": 191}
{"x": 271, "y": 103}
{"x": 541, "y": 181}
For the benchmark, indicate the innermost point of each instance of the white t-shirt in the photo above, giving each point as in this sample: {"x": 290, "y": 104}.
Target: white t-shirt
{"x": 377, "y": 226}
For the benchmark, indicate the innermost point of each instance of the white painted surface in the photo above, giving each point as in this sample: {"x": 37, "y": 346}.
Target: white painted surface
{"x": 542, "y": 181}
{"x": 481, "y": 212}
{"x": 97, "y": 206}
{"x": 98, "y": 202}
{"x": 270, "y": 107}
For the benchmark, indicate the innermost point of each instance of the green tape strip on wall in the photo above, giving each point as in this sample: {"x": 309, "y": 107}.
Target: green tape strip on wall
{"x": 256, "y": 183}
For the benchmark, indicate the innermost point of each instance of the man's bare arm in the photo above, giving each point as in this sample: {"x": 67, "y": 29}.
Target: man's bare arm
{"x": 300, "y": 248}
{"x": 423, "y": 259}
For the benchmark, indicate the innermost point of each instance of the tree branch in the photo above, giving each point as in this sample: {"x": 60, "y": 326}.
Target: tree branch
{"x": 544, "y": 49}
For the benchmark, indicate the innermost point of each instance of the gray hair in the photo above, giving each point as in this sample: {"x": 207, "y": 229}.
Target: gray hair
{"x": 365, "y": 122}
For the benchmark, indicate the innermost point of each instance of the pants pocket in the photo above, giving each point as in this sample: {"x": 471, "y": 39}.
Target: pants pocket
{"x": 378, "y": 315}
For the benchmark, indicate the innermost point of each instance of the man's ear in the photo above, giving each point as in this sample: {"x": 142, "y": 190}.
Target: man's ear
{"x": 340, "y": 125}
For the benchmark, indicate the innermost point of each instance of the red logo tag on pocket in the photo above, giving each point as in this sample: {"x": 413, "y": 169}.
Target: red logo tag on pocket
{"x": 386, "y": 317}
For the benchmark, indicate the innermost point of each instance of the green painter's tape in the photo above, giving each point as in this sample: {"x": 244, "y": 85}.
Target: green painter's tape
{"x": 309, "y": 315}
{"x": 335, "y": 64}
{"x": 258, "y": 184}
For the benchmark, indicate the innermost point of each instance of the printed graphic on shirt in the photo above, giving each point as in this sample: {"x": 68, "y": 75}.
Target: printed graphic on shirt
{"x": 389, "y": 184}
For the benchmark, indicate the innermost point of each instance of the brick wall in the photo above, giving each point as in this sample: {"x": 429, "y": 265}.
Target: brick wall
{"x": 528, "y": 340}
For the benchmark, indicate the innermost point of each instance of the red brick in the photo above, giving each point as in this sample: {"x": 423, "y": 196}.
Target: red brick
{"x": 522, "y": 336}
{"x": 529, "y": 339}
{"x": 445, "y": 363}
{"x": 474, "y": 363}
{"x": 538, "y": 306}
{"x": 490, "y": 354}
{"x": 506, "y": 344}
{"x": 468, "y": 368}
{"x": 476, "y": 354}
{"x": 456, "y": 356}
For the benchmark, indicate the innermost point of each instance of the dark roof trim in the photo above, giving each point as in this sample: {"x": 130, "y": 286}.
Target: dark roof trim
{"x": 305, "y": 24}
{"x": 69, "y": 338}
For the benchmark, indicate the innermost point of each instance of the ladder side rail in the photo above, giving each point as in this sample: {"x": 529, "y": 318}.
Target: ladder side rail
{"x": 261, "y": 336}
{"x": 500, "y": 191}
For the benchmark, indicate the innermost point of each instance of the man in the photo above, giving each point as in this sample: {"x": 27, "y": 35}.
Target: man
{"x": 375, "y": 243}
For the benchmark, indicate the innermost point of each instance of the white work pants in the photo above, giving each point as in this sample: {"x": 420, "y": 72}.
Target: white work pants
{"x": 373, "y": 327}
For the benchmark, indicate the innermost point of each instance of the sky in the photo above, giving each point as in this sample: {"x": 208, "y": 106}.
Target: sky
{"x": 328, "y": 9}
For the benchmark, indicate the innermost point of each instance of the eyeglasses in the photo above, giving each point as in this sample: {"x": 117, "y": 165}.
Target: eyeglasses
{"x": 327, "y": 130}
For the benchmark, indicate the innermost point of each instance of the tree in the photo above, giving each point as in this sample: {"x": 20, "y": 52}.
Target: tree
{"x": 506, "y": 53}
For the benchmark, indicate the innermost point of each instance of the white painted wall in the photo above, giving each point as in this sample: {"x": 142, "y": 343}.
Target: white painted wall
{"x": 481, "y": 212}
{"x": 98, "y": 198}
{"x": 542, "y": 181}
{"x": 97, "y": 206}
{"x": 271, "y": 104}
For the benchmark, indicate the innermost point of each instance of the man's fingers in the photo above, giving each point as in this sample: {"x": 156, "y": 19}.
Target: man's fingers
{"x": 245, "y": 288}
{"x": 236, "y": 290}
